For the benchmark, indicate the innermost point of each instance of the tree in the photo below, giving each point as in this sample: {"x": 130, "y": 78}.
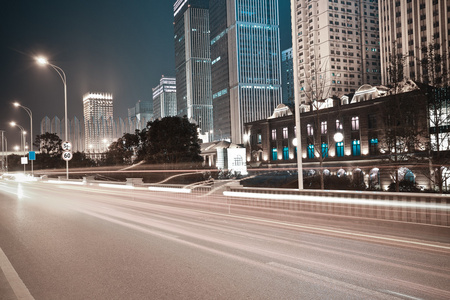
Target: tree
{"x": 80, "y": 160}
{"x": 401, "y": 124}
{"x": 171, "y": 140}
{"x": 49, "y": 145}
{"x": 435, "y": 74}
{"x": 433, "y": 62}
{"x": 404, "y": 129}
{"x": 317, "y": 90}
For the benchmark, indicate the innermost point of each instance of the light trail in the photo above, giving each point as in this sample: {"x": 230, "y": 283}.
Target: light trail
{"x": 354, "y": 201}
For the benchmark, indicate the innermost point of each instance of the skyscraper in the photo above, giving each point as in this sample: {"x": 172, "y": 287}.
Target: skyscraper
{"x": 165, "y": 98}
{"x": 98, "y": 121}
{"x": 193, "y": 62}
{"x": 335, "y": 47}
{"x": 287, "y": 76}
{"x": 246, "y": 64}
{"x": 407, "y": 29}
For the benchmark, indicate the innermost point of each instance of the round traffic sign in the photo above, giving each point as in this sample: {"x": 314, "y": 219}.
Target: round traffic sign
{"x": 67, "y": 146}
{"x": 67, "y": 155}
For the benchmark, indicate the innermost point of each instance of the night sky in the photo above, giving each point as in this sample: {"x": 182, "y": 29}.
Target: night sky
{"x": 120, "y": 47}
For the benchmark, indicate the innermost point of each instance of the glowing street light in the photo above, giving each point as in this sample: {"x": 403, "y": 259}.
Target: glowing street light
{"x": 43, "y": 61}
{"x": 30, "y": 114}
{"x": 338, "y": 137}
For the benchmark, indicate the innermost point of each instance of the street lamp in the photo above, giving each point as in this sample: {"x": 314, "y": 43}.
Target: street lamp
{"x": 43, "y": 61}
{"x": 3, "y": 149}
{"x": 22, "y": 141}
{"x": 30, "y": 114}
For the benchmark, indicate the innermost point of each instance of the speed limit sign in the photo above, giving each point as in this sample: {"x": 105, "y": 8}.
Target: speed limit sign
{"x": 66, "y": 146}
{"x": 67, "y": 155}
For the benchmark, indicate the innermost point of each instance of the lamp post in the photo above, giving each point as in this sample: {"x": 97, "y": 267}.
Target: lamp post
{"x": 22, "y": 140}
{"x": 43, "y": 61}
{"x": 6, "y": 149}
{"x": 30, "y": 114}
{"x": 3, "y": 149}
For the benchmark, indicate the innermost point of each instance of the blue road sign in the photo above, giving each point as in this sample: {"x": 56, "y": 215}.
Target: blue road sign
{"x": 32, "y": 155}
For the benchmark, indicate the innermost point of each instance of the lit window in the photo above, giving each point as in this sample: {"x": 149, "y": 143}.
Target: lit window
{"x": 324, "y": 150}
{"x": 310, "y": 130}
{"x": 274, "y": 154}
{"x": 340, "y": 149}
{"x": 355, "y": 123}
{"x": 274, "y": 134}
{"x": 323, "y": 127}
{"x": 373, "y": 146}
{"x": 285, "y": 153}
{"x": 285, "y": 133}
{"x": 310, "y": 151}
{"x": 356, "y": 148}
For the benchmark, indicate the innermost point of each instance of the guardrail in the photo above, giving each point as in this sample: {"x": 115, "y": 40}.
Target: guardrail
{"x": 406, "y": 207}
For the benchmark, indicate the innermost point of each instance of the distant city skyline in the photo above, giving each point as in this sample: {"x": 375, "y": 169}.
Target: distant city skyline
{"x": 123, "y": 50}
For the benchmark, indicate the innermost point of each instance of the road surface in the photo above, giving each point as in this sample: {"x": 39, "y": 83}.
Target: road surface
{"x": 80, "y": 242}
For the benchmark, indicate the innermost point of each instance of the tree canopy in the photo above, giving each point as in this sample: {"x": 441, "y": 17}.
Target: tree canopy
{"x": 171, "y": 140}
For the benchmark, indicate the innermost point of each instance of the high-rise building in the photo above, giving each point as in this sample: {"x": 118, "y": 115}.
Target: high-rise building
{"x": 46, "y": 125}
{"x": 139, "y": 115}
{"x": 407, "y": 29}
{"x": 193, "y": 62}
{"x": 246, "y": 64}
{"x": 287, "y": 76}
{"x": 165, "y": 98}
{"x": 335, "y": 47}
{"x": 98, "y": 121}
{"x": 144, "y": 112}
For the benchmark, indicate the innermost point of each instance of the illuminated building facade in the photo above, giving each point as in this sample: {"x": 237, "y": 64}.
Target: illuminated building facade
{"x": 335, "y": 47}
{"x": 246, "y": 64}
{"x": 98, "y": 121}
{"x": 407, "y": 28}
{"x": 363, "y": 120}
{"x": 193, "y": 62}
{"x": 165, "y": 98}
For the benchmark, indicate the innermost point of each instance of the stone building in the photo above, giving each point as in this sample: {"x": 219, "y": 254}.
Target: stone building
{"x": 369, "y": 123}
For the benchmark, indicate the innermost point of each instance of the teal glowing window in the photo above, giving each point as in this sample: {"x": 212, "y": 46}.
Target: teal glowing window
{"x": 274, "y": 154}
{"x": 340, "y": 149}
{"x": 373, "y": 146}
{"x": 285, "y": 153}
{"x": 310, "y": 151}
{"x": 356, "y": 148}
{"x": 324, "y": 150}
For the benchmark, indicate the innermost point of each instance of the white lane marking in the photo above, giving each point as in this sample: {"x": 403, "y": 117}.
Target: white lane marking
{"x": 13, "y": 278}
{"x": 331, "y": 281}
{"x": 390, "y": 239}
{"x": 401, "y": 295}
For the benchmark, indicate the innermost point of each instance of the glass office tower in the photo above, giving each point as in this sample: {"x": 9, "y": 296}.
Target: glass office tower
{"x": 193, "y": 62}
{"x": 245, "y": 64}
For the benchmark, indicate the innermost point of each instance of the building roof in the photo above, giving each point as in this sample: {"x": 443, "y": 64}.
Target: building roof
{"x": 213, "y": 146}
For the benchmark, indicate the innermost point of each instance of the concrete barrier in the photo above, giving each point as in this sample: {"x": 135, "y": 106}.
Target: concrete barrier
{"x": 134, "y": 181}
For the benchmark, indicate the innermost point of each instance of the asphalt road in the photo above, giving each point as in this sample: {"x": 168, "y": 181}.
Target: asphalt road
{"x": 76, "y": 242}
